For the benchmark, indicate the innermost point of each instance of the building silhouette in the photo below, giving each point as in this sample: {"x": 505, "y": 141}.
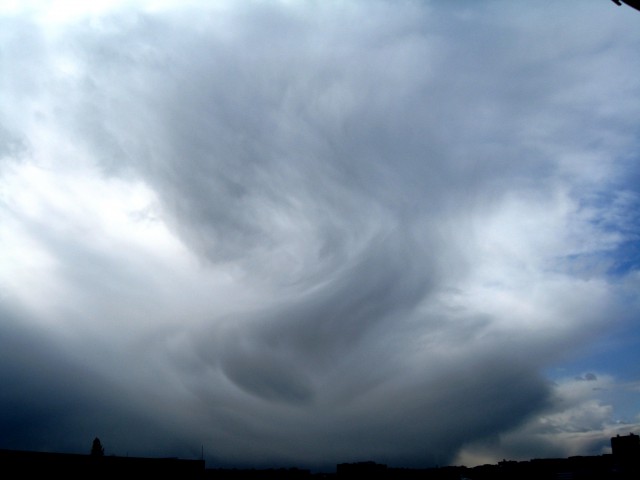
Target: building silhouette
{"x": 22, "y": 464}
{"x": 622, "y": 464}
{"x": 626, "y": 454}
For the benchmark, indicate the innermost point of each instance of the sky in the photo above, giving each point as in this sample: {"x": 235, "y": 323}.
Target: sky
{"x": 300, "y": 233}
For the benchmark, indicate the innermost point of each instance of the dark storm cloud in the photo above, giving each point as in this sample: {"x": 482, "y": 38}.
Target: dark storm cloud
{"x": 52, "y": 401}
{"x": 376, "y": 202}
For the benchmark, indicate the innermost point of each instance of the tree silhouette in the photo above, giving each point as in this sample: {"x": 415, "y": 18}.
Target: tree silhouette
{"x": 96, "y": 449}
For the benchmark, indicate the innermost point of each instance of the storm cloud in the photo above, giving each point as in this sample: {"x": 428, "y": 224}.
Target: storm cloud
{"x": 303, "y": 233}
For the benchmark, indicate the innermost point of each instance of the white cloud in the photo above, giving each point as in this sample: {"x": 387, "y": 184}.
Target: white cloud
{"x": 579, "y": 420}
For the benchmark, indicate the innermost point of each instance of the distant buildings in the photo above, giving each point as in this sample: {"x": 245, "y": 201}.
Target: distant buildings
{"x": 260, "y": 474}
{"x": 361, "y": 469}
{"x": 35, "y": 465}
{"x": 622, "y": 464}
{"x": 626, "y": 453}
